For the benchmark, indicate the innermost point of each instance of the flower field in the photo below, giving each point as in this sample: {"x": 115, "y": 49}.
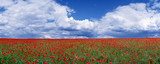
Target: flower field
{"x": 80, "y": 51}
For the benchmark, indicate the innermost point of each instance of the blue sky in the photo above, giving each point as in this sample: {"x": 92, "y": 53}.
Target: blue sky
{"x": 95, "y": 9}
{"x": 79, "y": 18}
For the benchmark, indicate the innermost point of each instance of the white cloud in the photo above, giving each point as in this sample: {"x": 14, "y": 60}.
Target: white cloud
{"x": 6, "y": 3}
{"x": 134, "y": 18}
{"x": 29, "y": 19}
{"x": 156, "y": 4}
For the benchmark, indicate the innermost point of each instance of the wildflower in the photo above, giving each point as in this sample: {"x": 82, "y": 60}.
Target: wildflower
{"x": 76, "y": 56}
{"x": 151, "y": 60}
{"x": 46, "y": 52}
{"x": 2, "y": 52}
{"x": 68, "y": 59}
{"x": 27, "y": 62}
{"x": 44, "y": 62}
{"x": 100, "y": 61}
{"x": 14, "y": 61}
{"x": 113, "y": 53}
{"x": 52, "y": 57}
{"x": 154, "y": 54}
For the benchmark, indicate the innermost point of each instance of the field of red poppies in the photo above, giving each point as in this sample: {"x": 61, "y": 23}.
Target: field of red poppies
{"x": 80, "y": 51}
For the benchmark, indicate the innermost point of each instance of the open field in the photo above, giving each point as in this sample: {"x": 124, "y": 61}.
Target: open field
{"x": 80, "y": 51}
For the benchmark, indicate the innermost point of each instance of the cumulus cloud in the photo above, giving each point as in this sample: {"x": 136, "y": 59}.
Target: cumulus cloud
{"x": 29, "y": 19}
{"x": 134, "y": 20}
{"x": 156, "y": 4}
{"x": 48, "y": 19}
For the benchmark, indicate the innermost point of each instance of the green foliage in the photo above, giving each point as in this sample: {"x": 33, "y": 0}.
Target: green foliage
{"x": 115, "y": 51}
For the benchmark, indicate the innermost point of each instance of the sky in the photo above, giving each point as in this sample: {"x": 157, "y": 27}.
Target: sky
{"x": 79, "y": 18}
{"x": 95, "y": 9}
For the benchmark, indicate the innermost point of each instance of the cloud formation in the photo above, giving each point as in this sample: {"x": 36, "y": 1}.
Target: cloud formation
{"x": 130, "y": 20}
{"x": 30, "y": 19}
{"x": 48, "y": 19}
